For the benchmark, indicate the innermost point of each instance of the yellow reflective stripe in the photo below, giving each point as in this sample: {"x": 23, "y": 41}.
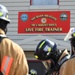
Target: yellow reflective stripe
{"x": 74, "y": 34}
{"x": 1, "y": 14}
{"x": 49, "y": 49}
{"x": 36, "y": 56}
{"x": 41, "y": 44}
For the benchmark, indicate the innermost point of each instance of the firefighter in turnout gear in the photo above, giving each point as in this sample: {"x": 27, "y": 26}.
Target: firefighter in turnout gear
{"x": 12, "y": 58}
{"x": 69, "y": 68}
{"x": 52, "y": 58}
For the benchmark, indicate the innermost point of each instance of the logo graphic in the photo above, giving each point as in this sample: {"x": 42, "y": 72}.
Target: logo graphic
{"x": 43, "y": 20}
{"x": 63, "y": 16}
{"x": 24, "y": 17}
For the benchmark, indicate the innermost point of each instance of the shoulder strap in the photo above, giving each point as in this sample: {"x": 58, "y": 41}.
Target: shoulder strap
{"x": 58, "y": 65}
{"x": 72, "y": 56}
{"x": 56, "y": 68}
{"x": 64, "y": 59}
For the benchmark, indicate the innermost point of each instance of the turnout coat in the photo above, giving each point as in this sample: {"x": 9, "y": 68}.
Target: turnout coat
{"x": 63, "y": 60}
{"x": 12, "y": 58}
{"x": 68, "y": 67}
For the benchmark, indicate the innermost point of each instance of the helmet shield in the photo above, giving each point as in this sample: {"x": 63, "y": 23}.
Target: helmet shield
{"x": 70, "y": 34}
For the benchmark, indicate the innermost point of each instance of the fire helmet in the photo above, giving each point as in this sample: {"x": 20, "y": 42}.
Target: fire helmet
{"x": 4, "y": 13}
{"x": 45, "y": 50}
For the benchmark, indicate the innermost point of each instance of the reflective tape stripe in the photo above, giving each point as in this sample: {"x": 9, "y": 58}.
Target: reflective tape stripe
{"x": 2, "y": 64}
{"x": 6, "y": 64}
{"x": 41, "y": 44}
{"x": 9, "y": 65}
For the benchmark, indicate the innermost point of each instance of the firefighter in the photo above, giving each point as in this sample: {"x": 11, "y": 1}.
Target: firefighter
{"x": 12, "y": 58}
{"x": 52, "y": 58}
{"x": 69, "y": 68}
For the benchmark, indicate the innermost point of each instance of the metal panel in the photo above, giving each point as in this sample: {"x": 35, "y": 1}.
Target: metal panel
{"x": 67, "y": 7}
{"x": 67, "y": 3}
{"x": 15, "y": 1}
{"x": 67, "y": 0}
{"x": 17, "y": 8}
{"x": 44, "y": 7}
{"x": 16, "y": 4}
{"x": 26, "y": 45}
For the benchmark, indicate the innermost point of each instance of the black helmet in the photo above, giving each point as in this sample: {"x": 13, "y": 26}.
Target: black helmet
{"x": 45, "y": 50}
